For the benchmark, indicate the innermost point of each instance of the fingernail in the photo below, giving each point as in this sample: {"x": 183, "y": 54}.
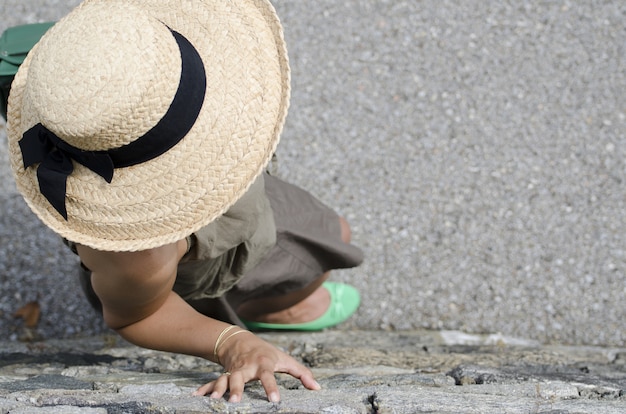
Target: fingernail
{"x": 317, "y": 384}
{"x": 214, "y": 395}
{"x": 274, "y": 397}
{"x": 195, "y": 393}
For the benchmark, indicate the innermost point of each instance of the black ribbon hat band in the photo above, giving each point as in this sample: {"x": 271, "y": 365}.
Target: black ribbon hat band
{"x": 40, "y": 145}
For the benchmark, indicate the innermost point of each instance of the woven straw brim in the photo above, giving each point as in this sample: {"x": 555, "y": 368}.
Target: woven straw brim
{"x": 171, "y": 196}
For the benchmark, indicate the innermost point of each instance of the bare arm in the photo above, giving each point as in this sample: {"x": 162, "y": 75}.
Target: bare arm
{"x": 135, "y": 289}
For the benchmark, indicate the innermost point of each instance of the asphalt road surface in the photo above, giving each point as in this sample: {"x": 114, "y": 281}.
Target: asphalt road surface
{"x": 477, "y": 148}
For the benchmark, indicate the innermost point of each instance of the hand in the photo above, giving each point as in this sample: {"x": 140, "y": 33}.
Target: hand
{"x": 247, "y": 357}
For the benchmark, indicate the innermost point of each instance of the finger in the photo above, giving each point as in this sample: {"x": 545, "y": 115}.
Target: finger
{"x": 302, "y": 373}
{"x": 269, "y": 385}
{"x": 205, "y": 389}
{"x": 308, "y": 380}
{"x": 219, "y": 387}
{"x": 236, "y": 385}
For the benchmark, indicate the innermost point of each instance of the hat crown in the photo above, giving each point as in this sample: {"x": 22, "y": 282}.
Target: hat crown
{"x": 111, "y": 78}
{"x": 101, "y": 86}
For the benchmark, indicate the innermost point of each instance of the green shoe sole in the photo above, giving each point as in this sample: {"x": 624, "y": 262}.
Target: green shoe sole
{"x": 344, "y": 301}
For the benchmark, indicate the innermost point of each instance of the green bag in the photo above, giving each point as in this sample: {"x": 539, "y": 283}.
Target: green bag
{"x": 15, "y": 43}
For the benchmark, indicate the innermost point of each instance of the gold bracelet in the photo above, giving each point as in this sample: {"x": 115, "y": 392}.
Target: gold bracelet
{"x": 226, "y": 339}
{"x": 217, "y": 342}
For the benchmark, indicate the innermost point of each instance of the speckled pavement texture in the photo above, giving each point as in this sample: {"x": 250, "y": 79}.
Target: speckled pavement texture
{"x": 477, "y": 148}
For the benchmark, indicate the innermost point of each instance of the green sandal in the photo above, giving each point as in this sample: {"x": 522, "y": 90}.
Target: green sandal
{"x": 344, "y": 301}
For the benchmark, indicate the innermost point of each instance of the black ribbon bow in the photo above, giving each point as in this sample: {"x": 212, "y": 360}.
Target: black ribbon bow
{"x": 40, "y": 145}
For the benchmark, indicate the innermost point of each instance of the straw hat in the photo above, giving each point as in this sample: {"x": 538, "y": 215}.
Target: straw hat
{"x": 133, "y": 123}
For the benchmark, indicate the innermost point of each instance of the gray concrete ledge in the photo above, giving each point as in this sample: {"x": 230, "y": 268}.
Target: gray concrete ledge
{"x": 360, "y": 372}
